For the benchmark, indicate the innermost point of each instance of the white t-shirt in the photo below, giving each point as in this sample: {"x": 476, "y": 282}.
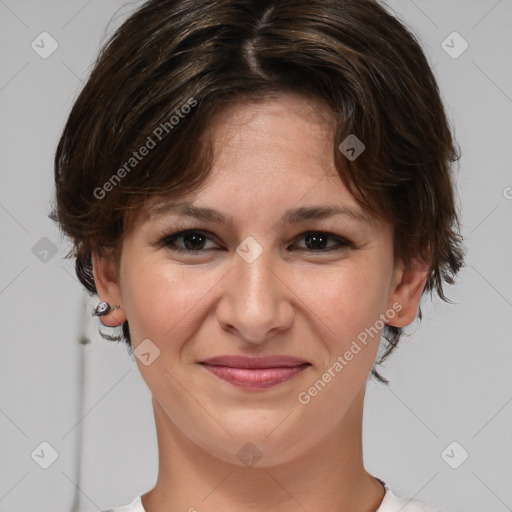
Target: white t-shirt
{"x": 390, "y": 503}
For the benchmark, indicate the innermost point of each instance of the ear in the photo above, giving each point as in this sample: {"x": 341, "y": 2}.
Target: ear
{"x": 408, "y": 286}
{"x": 107, "y": 286}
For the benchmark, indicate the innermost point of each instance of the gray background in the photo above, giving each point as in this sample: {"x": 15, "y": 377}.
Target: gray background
{"x": 450, "y": 380}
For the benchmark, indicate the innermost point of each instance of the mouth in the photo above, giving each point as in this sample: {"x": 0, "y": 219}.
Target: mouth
{"x": 254, "y": 372}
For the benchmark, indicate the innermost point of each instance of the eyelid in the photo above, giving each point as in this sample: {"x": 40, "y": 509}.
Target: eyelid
{"x": 181, "y": 230}
{"x": 179, "y": 233}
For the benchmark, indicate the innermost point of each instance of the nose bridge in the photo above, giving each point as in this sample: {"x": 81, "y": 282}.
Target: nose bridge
{"x": 253, "y": 282}
{"x": 254, "y": 300}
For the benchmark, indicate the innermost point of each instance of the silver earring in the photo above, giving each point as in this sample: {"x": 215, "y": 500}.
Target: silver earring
{"x": 103, "y": 308}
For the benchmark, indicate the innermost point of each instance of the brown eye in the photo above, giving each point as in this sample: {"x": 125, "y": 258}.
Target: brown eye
{"x": 318, "y": 242}
{"x": 192, "y": 241}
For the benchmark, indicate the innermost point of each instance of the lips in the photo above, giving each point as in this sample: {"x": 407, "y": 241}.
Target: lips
{"x": 255, "y": 362}
{"x": 254, "y": 372}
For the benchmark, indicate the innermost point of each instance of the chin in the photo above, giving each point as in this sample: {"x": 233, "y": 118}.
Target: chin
{"x": 265, "y": 444}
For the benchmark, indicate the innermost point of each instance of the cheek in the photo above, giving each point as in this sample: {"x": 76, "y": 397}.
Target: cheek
{"x": 347, "y": 300}
{"x": 159, "y": 296}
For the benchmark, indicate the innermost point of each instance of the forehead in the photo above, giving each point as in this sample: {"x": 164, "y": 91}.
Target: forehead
{"x": 283, "y": 125}
{"x": 276, "y": 151}
{"x": 295, "y": 215}
{"x": 282, "y": 142}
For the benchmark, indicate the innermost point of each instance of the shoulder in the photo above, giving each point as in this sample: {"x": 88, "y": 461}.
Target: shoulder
{"x": 394, "y": 503}
{"x": 390, "y": 503}
{"x": 134, "y": 506}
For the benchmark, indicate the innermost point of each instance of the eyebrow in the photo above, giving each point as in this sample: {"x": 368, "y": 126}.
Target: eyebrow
{"x": 292, "y": 216}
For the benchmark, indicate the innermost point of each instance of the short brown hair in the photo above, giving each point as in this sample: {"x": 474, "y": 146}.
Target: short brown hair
{"x": 352, "y": 55}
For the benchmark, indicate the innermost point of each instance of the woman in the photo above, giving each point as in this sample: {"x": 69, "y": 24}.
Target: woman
{"x": 257, "y": 192}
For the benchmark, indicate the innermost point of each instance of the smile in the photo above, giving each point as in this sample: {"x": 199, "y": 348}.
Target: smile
{"x": 254, "y": 373}
{"x": 256, "y": 378}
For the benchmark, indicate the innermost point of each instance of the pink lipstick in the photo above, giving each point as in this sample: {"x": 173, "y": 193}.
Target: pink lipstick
{"x": 254, "y": 372}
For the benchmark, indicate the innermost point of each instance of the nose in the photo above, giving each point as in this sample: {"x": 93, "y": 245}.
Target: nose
{"x": 256, "y": 302}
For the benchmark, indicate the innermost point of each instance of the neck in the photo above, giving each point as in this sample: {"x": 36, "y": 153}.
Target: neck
{"x": 329, "y": 476}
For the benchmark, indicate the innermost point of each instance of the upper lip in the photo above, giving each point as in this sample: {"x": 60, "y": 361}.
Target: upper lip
{"x": 255, "y": 362}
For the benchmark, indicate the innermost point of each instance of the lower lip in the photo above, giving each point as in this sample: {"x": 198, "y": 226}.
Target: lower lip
{"x": 254, "y": 378}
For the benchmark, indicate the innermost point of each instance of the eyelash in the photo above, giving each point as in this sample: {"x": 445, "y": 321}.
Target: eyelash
{"x": 169, "y": 239}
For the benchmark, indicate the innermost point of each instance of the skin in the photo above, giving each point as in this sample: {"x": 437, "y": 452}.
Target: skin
{"x": 270, "y": 157}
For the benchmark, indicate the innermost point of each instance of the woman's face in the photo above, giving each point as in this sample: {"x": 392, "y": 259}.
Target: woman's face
{"x": 280, "y": 276}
